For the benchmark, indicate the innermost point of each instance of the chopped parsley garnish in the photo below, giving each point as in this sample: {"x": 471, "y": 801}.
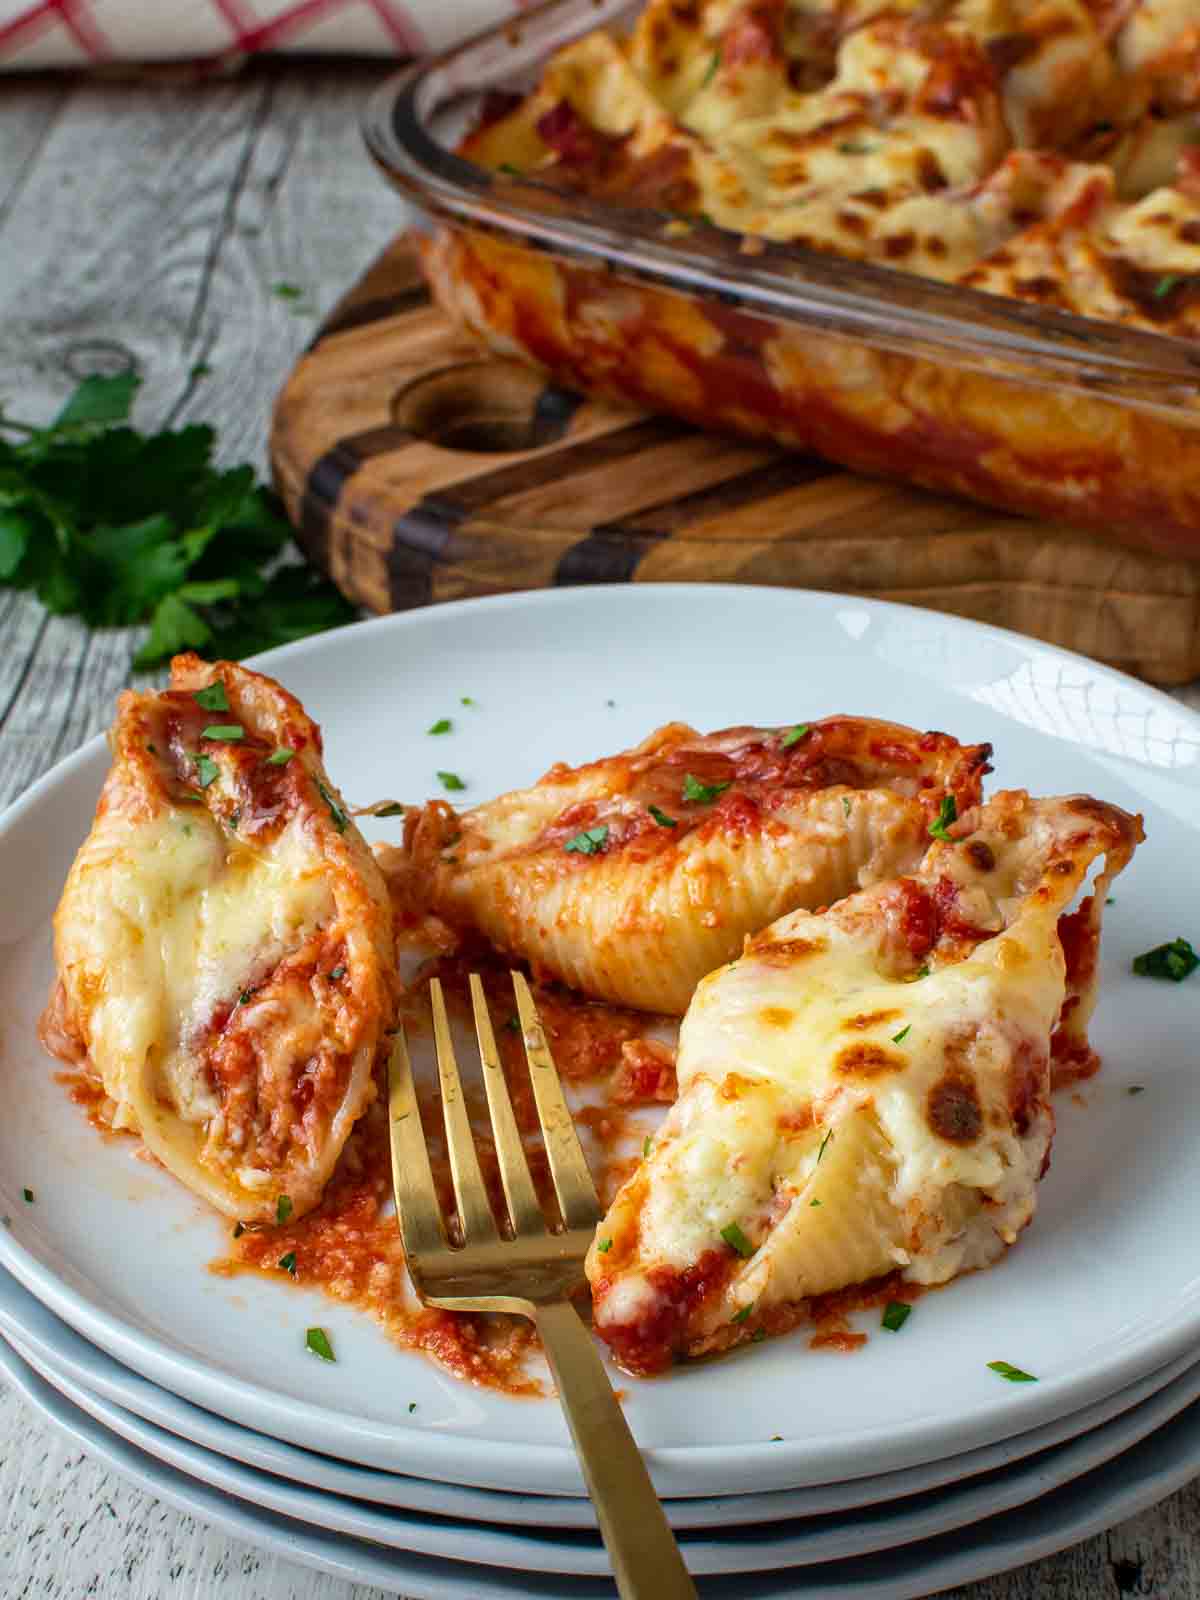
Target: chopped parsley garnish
{"x": 225, "y": 732}
{"x": 337, "y": 974}
{"x": 212, "y": 698}
{"x": 509, "y": 171}
{"x": 239, "y": 1229}
{"x": 736, "y": 1239}
{"x": 513, "y": 1024}
{"x": 793, "y": 735}
{"x": 206, "y": 770}
{"x": 287, "y": 291}
{"x": 922, "y": 971}
{"x": 647, "y": 1146}
{"x": 895, "y": 1314}
{"x": 466, "y": 700}
{"x": 588, "y": 843}
{"x": 316, "y": 1340}
{"x": 946, "y": 815}
{"x": 849, "y": 147}
{"x": 824, "y": 1142}
{"x": 412, "y": 1406}
{"x": 845, "y": 805}
{"x": 1136, "y": 1088}
{"x": 704, "y": 793}
{"x": 390, "y": 808}
{"x": 340, "y": 819}
{"x": 1111, "y": 900}
{"x": 1165, "y": 284}
{"x": 757, "y": 1337}
{"x": 661, "y": 817}
{"x": 604, "y": 1246}
{"x": 233, "y": 819}
{"x": 280, "y": 757}
{"x": 245, "y": 997}
{"x": 28, "y": 1196}
{"x": 450, "y": 781}
{"x": 711, "y": 70}
{"x": 283, "y": 1208}
{"x": 198, "y": 370}
{"x": 1176, "y": 961}
{"x": 740, "y": 1316}
{"x": 814, "y": 1202}
{"x": 899, "y": 1038}
{"x": 442, "y": 725}
{"x": 1013, "y": 1374}
{"x": 287, "y": 1263}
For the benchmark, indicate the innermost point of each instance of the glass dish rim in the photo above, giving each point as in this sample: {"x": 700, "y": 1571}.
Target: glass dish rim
{"x": 885, "y": 307}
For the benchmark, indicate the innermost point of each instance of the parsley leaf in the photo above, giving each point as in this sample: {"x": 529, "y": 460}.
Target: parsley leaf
{"x": 947, "y": 814}
{"x": 1176, "y": 961}
{"x": 661, "y": 817}
{"x": 283, "y": 1209}
{"x": 604, "y": 1246}
{"x": 450, "y": 781}
{"x": 223, "y": 732}
{"x": 316, "y": 1341}
{"x": 740, "y": 1316}
{"x": 27, "y": 1195}
{"x": 288, "y": 1262}
{"x": 1165, "y": 284}
{"x": 1013, "y": 1374}
{"x": 340, "y": 820}
{"x": 824, "y": 1142}
{"x": 899, "y": 1038}
{"x": 895, "y": 1314}
{"x": 442, "y": 725}
{"x": 588, "y": 843}
{"x": 705, "y": 793}
{"x": 736, "y": 1239}
{"x": 711, "y": 70}
{"x": 280, "y": 757}
{"x": 793, "y": 735}
{"x": 121, "y": 527}
{"x": 206, "y": 770}
{"x": 212, "y": 698}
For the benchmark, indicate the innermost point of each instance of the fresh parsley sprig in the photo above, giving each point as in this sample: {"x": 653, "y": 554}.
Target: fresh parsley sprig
{"x": 119, "y": 527}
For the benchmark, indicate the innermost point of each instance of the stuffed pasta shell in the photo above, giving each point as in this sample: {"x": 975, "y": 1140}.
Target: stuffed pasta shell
{"x": 865, "y": 1090}
{"x": 226, "y": 962}
{"x": 632, "y": 877}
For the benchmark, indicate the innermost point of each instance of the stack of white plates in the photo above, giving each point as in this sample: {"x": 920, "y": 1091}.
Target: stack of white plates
{"x": 889, "y": 1472}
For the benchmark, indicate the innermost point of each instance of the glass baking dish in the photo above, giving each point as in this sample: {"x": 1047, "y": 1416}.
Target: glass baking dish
{"x": 1032, "y": 410}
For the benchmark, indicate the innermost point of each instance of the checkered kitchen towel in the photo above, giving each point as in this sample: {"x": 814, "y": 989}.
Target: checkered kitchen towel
{"x": 67, "y": 33}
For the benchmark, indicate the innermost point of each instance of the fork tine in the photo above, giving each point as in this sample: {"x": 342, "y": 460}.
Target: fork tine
{"x": 522, "y": 1199}
{"x": 573, "y": 1184}
{"x": 474, "y": 1212}
{"x": 417, "y": 1207}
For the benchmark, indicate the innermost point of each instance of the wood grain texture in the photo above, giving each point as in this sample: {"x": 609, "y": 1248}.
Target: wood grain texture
{"x": 156, "y": 220}
{"x": 379, "y": 446}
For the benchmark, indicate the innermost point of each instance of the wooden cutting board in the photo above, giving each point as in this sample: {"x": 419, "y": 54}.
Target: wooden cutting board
{"x": 418, "y": 469}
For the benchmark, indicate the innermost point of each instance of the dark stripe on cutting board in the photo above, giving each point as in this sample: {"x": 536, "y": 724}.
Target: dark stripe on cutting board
{"x": 612, "y": 551}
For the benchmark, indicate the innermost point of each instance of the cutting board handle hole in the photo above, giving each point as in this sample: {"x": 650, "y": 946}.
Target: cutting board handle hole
{"x": 484, "y": 408}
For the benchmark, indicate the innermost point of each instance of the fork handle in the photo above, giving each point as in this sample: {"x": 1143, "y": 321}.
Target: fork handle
{"x": 645, "y": 1558}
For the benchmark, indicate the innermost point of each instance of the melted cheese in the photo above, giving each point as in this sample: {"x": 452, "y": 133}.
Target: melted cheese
{"x": 847, "y": 1110}
{"x": 175, "y": 920}
{"x": 225, "y": 955}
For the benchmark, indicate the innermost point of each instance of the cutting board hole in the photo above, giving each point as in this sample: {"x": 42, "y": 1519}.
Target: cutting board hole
{"x": 485, "y": 408}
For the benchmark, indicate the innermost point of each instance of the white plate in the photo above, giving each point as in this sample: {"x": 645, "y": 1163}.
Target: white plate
{"x": 1141, "y": 1477}
{"x": 1103, "y": 1289}
{"x": 798, "y": 1542}
{"x": 75, "y": 1365}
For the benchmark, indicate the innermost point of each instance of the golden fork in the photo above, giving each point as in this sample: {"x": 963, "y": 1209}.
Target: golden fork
{"x": 533, "y": 1274}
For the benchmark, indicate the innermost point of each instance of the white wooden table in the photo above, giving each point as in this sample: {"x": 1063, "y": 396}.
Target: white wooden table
{"x": 150, "y": 221}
